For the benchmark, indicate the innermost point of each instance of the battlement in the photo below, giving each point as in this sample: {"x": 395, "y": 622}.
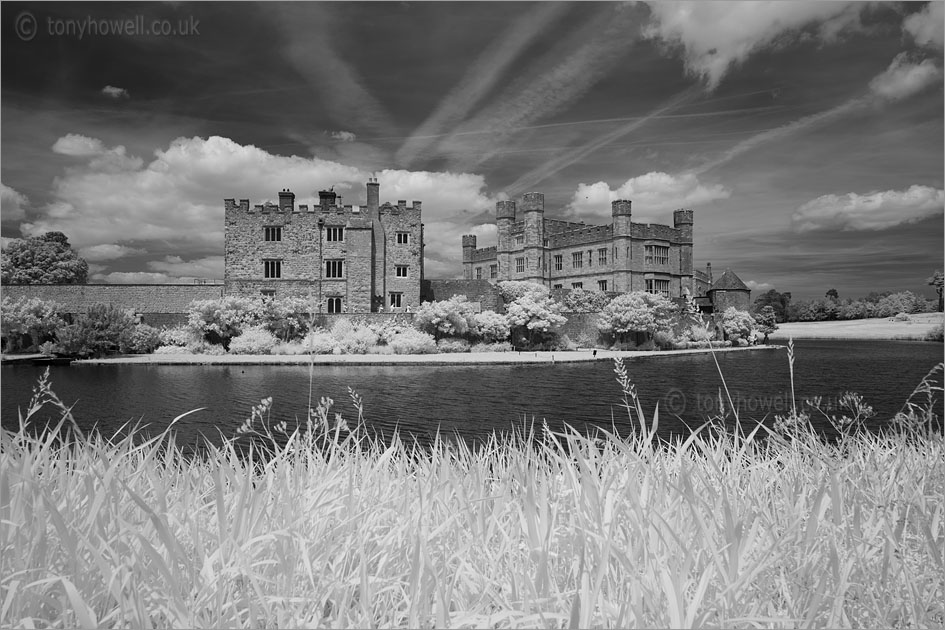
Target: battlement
{"x": 533, "y": 202}
{"x": 581, "y": 236}
{"x": 556, "y": 226}
{"x": 469, "y": 240}
{"x": 620, "y": 207}
{"x": 655, "y": 231}
{"x": 683, "y": 216}
{"x": 486, "y": 253}
{"x": 505, "y": 210}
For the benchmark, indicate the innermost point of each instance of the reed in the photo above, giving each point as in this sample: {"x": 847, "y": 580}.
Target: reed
{"x": 330, "y": 528}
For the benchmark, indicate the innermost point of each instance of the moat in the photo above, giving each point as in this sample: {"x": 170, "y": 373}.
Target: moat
{"x": 473, "y": 401}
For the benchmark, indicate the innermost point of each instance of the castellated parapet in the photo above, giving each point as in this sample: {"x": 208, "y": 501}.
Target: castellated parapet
{"x": 622, "y": 256}
{"x": 345, "y": 258}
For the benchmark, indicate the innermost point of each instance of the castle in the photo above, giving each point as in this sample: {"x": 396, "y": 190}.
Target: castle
{"x": 343, "y": 258}
{"x": 620, "y": 257}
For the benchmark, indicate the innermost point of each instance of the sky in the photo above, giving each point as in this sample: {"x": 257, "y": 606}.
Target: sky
{"x": 806, "y": 137}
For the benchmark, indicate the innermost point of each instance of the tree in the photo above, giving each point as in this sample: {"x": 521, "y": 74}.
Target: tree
{"x": 638, "y": 313}
{"x": 780, "y": 302}
{"x": 583, "y": 301}
{"x": 454, "y": 317}
{"x": 766, "y": 322}
{"x": 832, "y": 294}
{"x": 737, "y": 324}
{"x": 534, "y": 317}
{"x": 46, "y": 259}
{"x": 937, "y": 280}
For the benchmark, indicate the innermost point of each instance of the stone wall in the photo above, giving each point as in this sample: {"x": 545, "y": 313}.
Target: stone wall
{"x": 481, "y": 291}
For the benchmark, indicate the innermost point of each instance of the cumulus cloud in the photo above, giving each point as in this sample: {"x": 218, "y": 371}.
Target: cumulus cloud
{"x": 115, "y": 92}
{"x": 904, "y": 77}
{"x": 652, "y": 193}
{"x": 107, "y": 251}
{"x": 872, "y": 211}
{"x": 12, "y": 204}
{"x": 715, "y": 36}
{"x": 927, "y": 27}
{"x": 174, "y": 203}
{"x": 344, "y": 136}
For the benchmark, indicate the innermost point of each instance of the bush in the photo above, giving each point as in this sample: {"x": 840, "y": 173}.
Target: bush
{"x": 352, "y": 338}
{"x": 319, "y": 342}
{"x": 936, "y": 334}
{"x": 533, "y": 319}
{"x": 737, "y": 324}
{"x": 205, "y": 347}
{"x": 142, "y": 339}
{"x": 512, "y": 290}
{"x": 902, "y": 317}
{"x": 452, "y": 345}
{"x": 28, "y": 322}
{"x": 503, "y": 346}
{"x": 257, "y": 340}
{"x": 98, "y": 332}
{"x": 413, "y": 341}
{"x": 218, "y": 321}
{"x": 172, "y": 350}
{"x": 584, "y": 301}
{"x": 287, "y": 318}
{"x": 179, "y": 336}
{"x": 491, "y": 327}
{"x": 447, "y": 318}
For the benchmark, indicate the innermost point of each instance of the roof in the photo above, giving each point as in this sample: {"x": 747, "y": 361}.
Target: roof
{"x": 728, "y": 281}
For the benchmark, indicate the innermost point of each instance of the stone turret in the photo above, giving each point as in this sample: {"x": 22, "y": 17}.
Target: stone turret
{"x": 469, "y": 247}
{"x": 622, "y": 244}
{"x": 286, "y": 200}
{"x": 533, "y": 206}
{"x": 682, "y": 221}
{"x": 504, "y": 218}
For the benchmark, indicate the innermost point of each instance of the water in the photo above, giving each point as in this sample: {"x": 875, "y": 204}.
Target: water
{"x": 473, "y": 401}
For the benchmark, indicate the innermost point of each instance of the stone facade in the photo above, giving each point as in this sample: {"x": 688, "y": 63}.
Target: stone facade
{"x": 622, "y": 257}
{"x": 347, "y": 259}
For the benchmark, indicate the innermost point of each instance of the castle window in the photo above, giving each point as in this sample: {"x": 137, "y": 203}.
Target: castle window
{"x": 268, "y": 292}
{"x": 519, "y": 239}
{"x": 400, "y": 271}
{"x": 577, "y": 260}
{"x": 602, "y": 256}
{"x": 478, "y": 273}
{"x": 335, "y": 234}
{"x": 657, "y": 254}
{"x": 577, "y": 285}
{"x": 403, "y": 238}
{"x": 590, "y": 258}
{"x": 658, "y": 286}
{"x": 559, "y": 262}
{"x": 334, "y": 305}
{"x": 272, "y": 233}
{"x": 396, "y": 299}
{"x": 334, "y": 268}
{"x": 272, "y": 268}
{"x": 519, "y": 265}
{"x": 602, "y": 284}
{"x": 558, "y": 286}
{"x": 493, "y": 271}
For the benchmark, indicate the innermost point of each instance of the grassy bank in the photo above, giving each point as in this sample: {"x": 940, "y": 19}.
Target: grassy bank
{"x": 559, "y": 530}
{"x": 916, "y": 328}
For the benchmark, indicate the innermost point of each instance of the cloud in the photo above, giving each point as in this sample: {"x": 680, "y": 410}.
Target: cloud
{"x": 12, "y": 204}
{"x": 872, "y": 211}
{"x": 652, "y": 193}
{"x": 903, "y": 78}
{"x": 927, "y": 27}
{"x": 115, "y": 92}
{"x": 715, "y": 36}
{"x": 761, "y": 287}
{"x": 173, "y": 205}
{"x": 107, "y": 251}
{"x": 344, "y": 136}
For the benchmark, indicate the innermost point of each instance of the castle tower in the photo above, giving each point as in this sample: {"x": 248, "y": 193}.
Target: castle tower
{"x": 620, "y": 211}
{"x": 533, "y": 205}
{"x": 469, "y": 246}
{"x": 682, "y": 221}
{"x": 286, "y": 200}
{"x": 504, "y": 218}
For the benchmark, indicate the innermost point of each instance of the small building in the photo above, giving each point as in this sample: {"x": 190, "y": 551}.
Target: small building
{"x": 622, "y": 256}
{"x": 346, "y": 259}
{"x": 729, "y": 291}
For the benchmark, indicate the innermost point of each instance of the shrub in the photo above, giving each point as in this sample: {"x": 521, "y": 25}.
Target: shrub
{"x": 142, "y": 339}
{"x": 637, "y": 312}
{"x": 737, "y": 324}
{"x": 452, "y": 345}
{"x": 584, "y": 301}
{"x": 502, "y": 346}
{"x": 218, "y": 321}
{"x": 95, "y": 333}
{"x": 287, "y": 318}
{"x": 936, "y": 334}
{"x": 28, "y": 322}
{"x": 172, "y": 350}
{"x": 205, "y": 347}
{"x": 533, "y": 318}
{"x": 447, "y": 318}
{"x": 413, "y": 341}
{"x": 512, "y": 290}
{"x": 352, "y": 338}
{"x": 902, "y": 317}
{"x": 491, "y": 327}
{"x": 257, "y": 340}
{"x": 179, "y": 336}
{"x": 319, "y": 342}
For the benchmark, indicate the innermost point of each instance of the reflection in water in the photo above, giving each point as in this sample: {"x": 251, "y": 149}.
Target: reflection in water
{"x": 474, "y": 401}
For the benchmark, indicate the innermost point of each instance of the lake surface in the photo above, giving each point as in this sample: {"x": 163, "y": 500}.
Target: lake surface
{"x": 473, "y": 401}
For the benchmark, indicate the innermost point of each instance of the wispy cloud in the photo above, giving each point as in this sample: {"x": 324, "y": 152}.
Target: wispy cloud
{"x": 481, "y": 77}
{"x": 877, "y": 210}
{"x": 543, "y": 88}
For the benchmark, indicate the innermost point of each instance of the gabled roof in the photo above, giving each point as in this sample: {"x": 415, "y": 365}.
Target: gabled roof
{"x": 728, "y": 281}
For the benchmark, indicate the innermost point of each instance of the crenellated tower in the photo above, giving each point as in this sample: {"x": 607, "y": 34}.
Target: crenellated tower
{"x": 682, "y": 221}
{"x": 533, "y": 206}
{"x": 622, "y": 245}
{"x": 469, "y": 246}
{"x": 504, "y": 218}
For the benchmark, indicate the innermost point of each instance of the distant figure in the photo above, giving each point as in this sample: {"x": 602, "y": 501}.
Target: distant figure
{"x": 407, "y": 309}
{"x": 380, "y": 309}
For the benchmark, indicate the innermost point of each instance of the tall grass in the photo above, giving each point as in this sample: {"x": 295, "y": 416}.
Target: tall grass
{"x": 329, "y": 529}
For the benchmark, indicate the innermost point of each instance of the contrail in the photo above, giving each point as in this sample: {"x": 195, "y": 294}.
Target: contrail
{"x": 481, "y": 77}
{"x": 549, "y": 168}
